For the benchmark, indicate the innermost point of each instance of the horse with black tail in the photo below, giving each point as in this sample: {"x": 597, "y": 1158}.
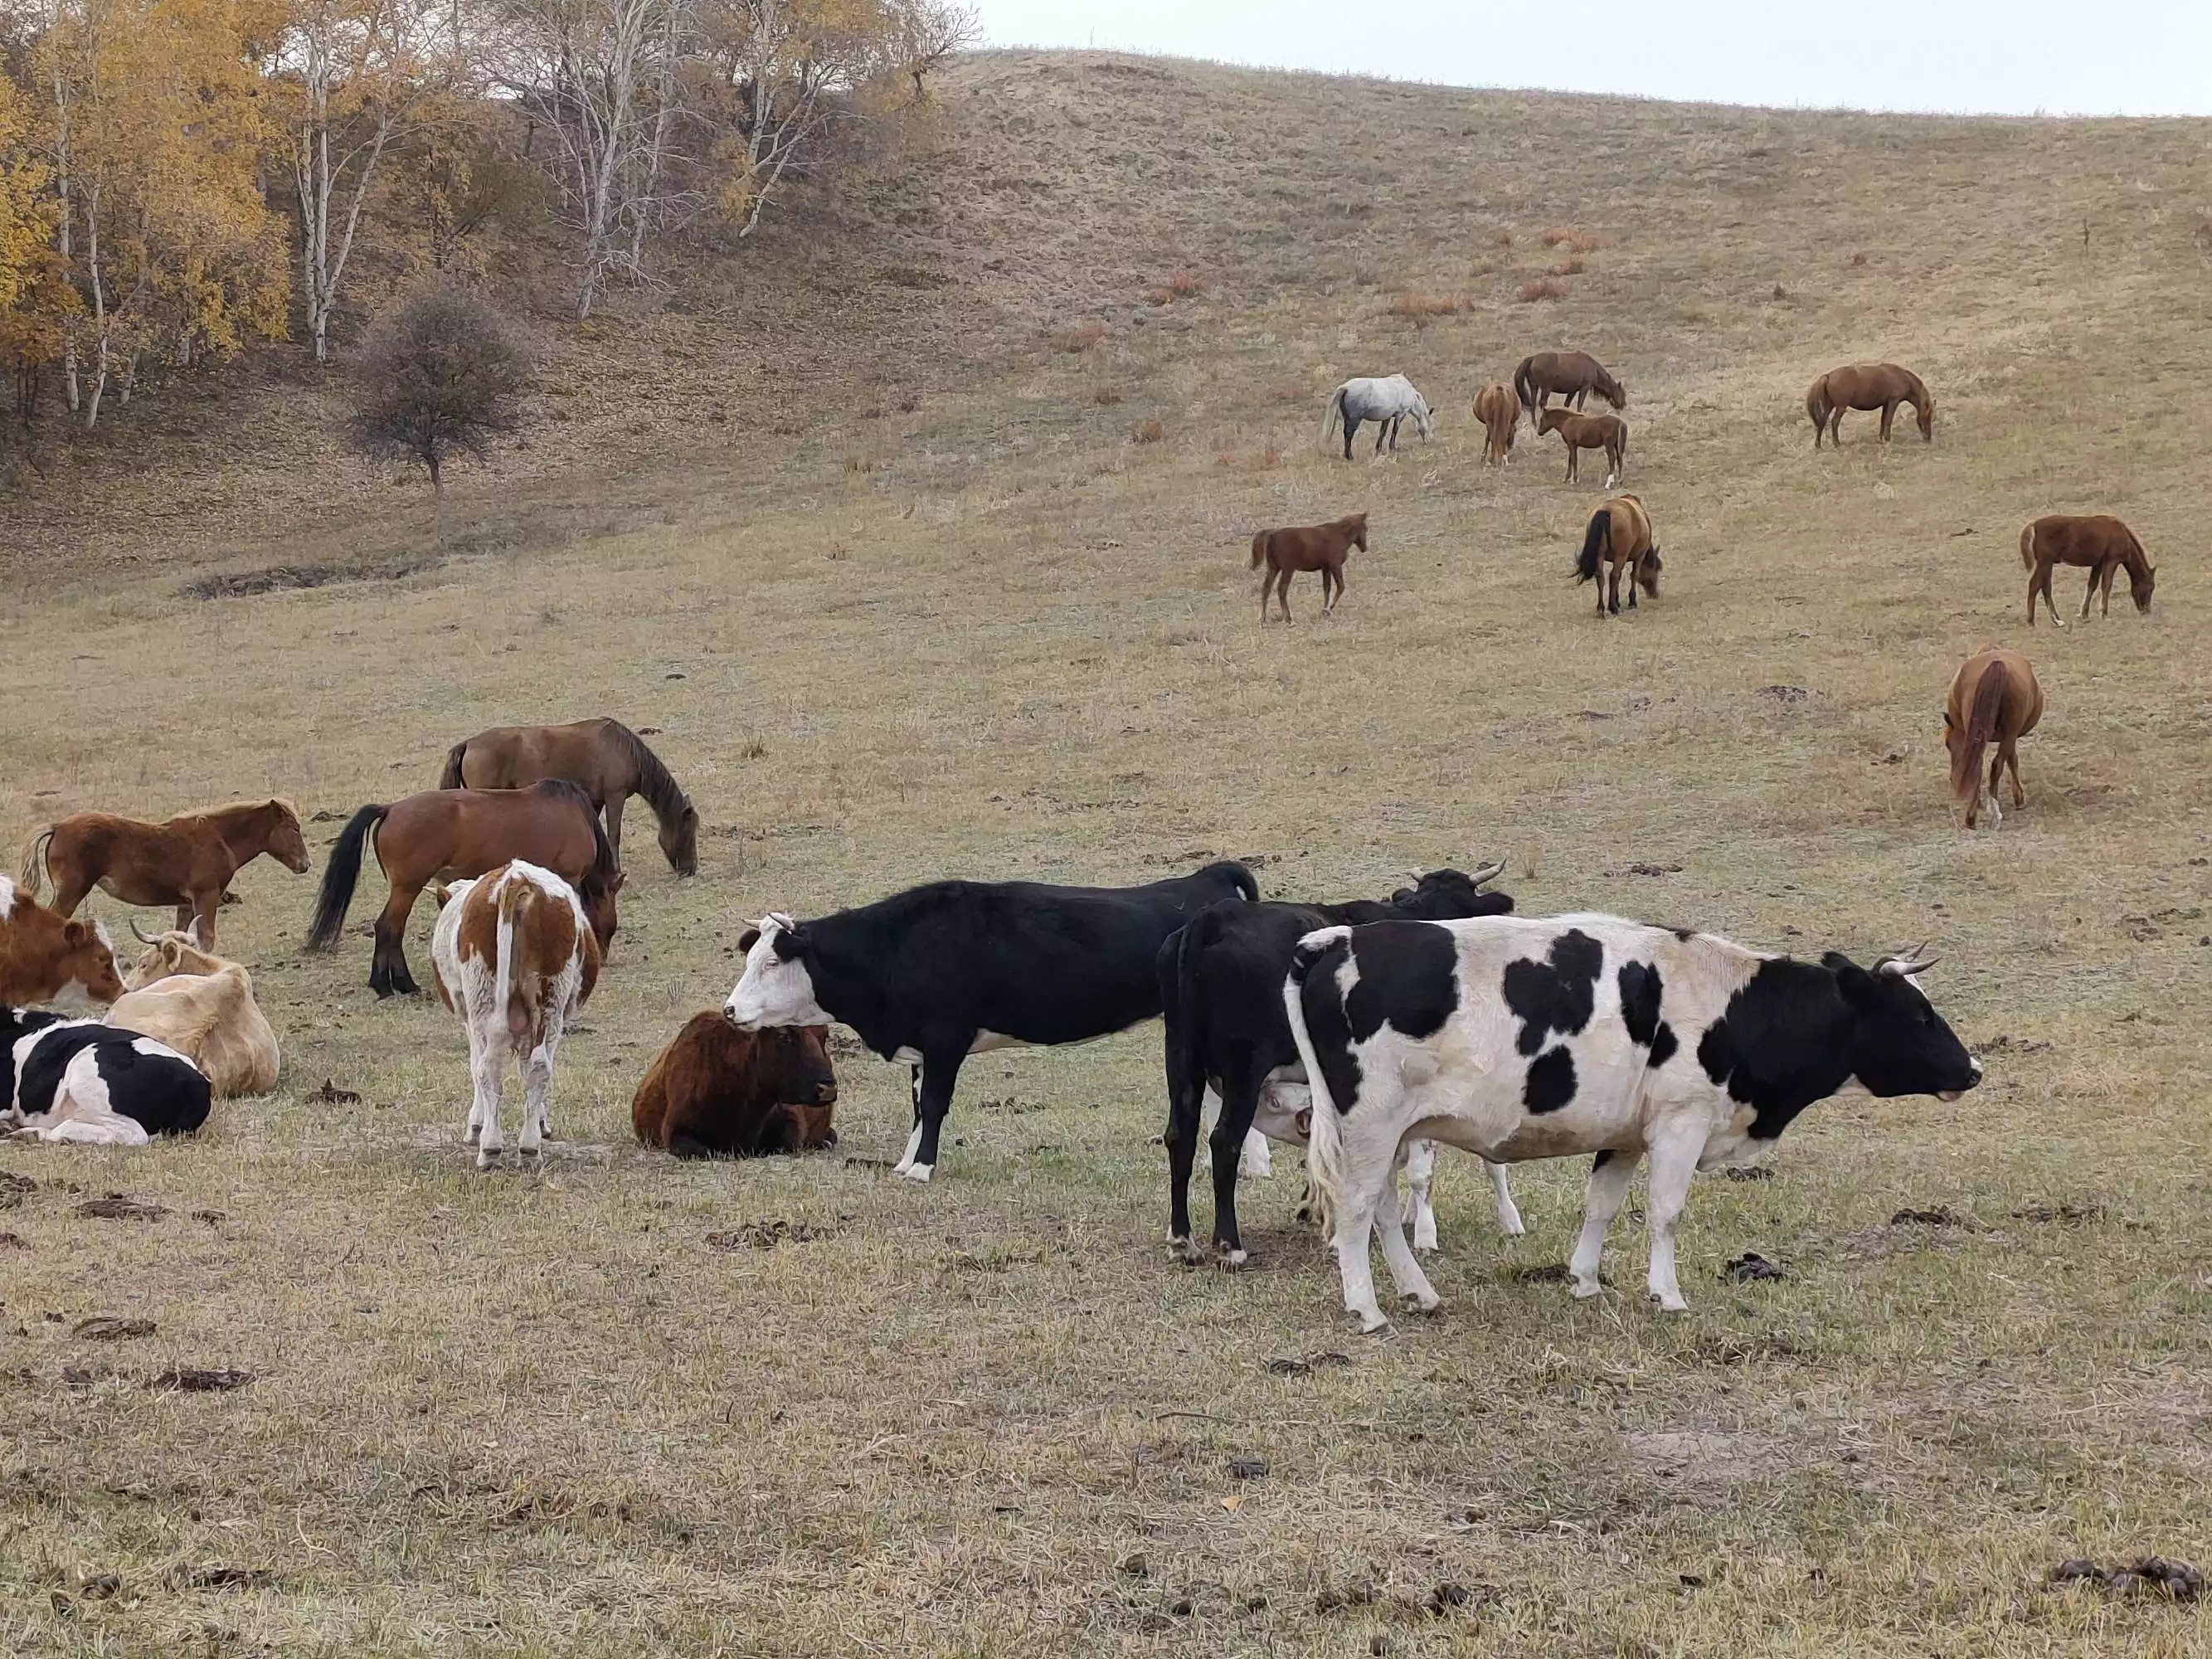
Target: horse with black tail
{"x": 465, "y": 832}
{"x": 1619, "y": 539}
{"x": 602, "y": 758}
{"x": 1386, "y": 401}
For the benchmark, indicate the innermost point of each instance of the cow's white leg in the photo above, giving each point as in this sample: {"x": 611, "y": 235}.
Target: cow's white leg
{"x": 1673, "y": 1161}
{"x": 1508, "y": 1214}
{"x": 537, "y": 1084}
{"x": 1405, "y": 1272}
{"x": 1421, "y": 1174}
{"x": 1608, "y": 1190}
{"x": 913, "y": 1140}
{"x": 1256, "y": 1162}
{"x": 486, "y": 1062}
{"x": 1355, "y": 1225}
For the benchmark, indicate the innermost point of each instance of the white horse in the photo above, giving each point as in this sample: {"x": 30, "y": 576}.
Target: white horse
{"x": 1386, "y": 402}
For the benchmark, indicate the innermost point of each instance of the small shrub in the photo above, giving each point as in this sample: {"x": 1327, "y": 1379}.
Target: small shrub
{"x": 1271, "y": 457}
{"x": 1546, "y": 288}
{"x": 1080, "y": 338}
{"x": 1554, "y": 238}
{"x": 1858, "y": 258}
{"x": 1104, "y": 396}
{"x": 1569, "y": 268}
{"x": 1417, "y": 308}
{"x": 1780, "y": 293}
{"x": 862, "y": 464}
{"x": 1151, "y": 431}
{"x": 1225, "y": 458}
{"x": 1575, "y": 241}
{"x": 1158, "y": 296}
{"x": 1503, "y": 239}
{"x": 1184, "y": 284}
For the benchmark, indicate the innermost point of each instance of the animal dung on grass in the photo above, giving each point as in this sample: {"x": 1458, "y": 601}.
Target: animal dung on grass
{"x": 1749, "y": 1267}
{"x": 2147, "y": 1575}
{"x": 110, "y": 1327}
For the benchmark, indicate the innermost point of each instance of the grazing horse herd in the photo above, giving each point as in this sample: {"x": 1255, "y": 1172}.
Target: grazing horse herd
{"x": 1367, "y": 1031}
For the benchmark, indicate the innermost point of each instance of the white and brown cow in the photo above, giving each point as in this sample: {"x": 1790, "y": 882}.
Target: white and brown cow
{"x": 1517, "y": 1039}
{"x": 44, "y": 959}
{"x": 515, "y": 958}
{"x": 203, "y": 1006}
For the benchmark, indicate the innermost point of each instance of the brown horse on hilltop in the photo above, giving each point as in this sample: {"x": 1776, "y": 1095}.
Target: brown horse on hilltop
{"x": 1867, "y": 385}
{"x": 2099, "y": 542}
{"x": 465, "y": 832}
{"x": 1500, "y": 414}
{"x": 1995, "y": 698}
{"x": 1581, "y": 432}
{"x": 1322, "y": 547}
{"x": 1619, "y": 537}
{"x": 604, "y": 758}
{"x": 187, "y": 862}
{"x": 1574, "y": 375}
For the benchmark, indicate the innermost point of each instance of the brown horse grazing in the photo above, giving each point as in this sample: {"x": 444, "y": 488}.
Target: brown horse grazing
{"x": 1995, "y": 696}
{"x": 1867, "y": 386}
{"x": 2101, "y": 542}
{"x": 1581, "y": 432}
{"x": 604, "y": 758}
{"x": 1574, "y": 375}
{"x": 1500, "y": 414}
{"x": 1322, "y": 547}
{"x": 1620, "y": 537}
{"x": 187, "y": 862}
{"x": 465, "y": 832}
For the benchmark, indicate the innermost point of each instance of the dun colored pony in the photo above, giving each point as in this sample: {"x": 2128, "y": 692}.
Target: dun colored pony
{"x": 1994, "y": 697}
{"x": 1619, "y": 537}
{"x": 1581, "y": 432}
{"x": 1500, "y": 414}
{"x": 465, "y": 832}
{"x": 1867, "y": 386}
{"x": 1322, "y": 547}
{"x": 187, "y": 862}
{"x": 2101, "y": 543}
{"x": 604, "y": 758}
{"x": 1573, "y": 374}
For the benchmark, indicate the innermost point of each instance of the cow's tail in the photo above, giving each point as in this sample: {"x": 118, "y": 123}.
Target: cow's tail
{"x": 1593, "y": 544}
{"x": 510, "y": 894}
{"x": 1982, "y": 711}
{"x": 2028, "y": 547}
{"x": 1332, "y": 415}
{"x": 1325, "y": 1152}
{"x": 340, "y": 877}
{"x": 35, "y": 861}
{"x": 1260, "y": 549}
{"x": 454, "y": 757}
{"x": 1183, "y": 1044}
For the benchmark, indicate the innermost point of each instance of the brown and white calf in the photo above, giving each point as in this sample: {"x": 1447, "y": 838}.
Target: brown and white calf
{"x": 203, "y": 1006}
{"x": 44, "y": 959}
{"x": 515, "y": 958}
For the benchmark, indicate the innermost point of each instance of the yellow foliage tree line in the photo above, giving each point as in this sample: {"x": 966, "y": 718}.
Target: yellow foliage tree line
{"x": 178, "y": 177}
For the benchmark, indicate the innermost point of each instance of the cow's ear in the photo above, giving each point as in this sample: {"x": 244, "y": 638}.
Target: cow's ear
{"x": 1857, "y": 986}
{"x": 74, "y": 932}
{"x": 790, "y": 944}
{"x": 747, "y": 941}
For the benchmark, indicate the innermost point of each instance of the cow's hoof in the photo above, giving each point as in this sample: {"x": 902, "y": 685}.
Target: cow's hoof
{"x": 1183, "y": 1252}
{"x": 1514, "y": 1228}
{"x": 1414, "y": 1302}
{"x": 1373, "y": 1324}
{"x": 1583, "y": 1289}
{"x": 1231, "y": 1260}
{"x": 920, "y": 1172}
{"x": 487, "y": 1160}
{"x": 1673, "y": 1304}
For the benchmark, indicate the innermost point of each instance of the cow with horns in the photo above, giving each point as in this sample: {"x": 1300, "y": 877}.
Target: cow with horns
{"x": 1221, "y": 991}
{"x": 937, "y": 973}
{"x": 1519, "y": 1039}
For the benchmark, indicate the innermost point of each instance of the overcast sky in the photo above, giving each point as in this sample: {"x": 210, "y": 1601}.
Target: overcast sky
{"x": 2003, "y": 56}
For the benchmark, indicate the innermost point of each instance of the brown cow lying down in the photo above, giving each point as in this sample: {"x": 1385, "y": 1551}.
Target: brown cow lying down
{"x": 716, "y": 1091}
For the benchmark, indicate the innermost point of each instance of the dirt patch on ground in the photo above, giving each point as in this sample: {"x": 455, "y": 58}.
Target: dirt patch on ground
{"x": 1703, "y": 1460}
{"x": 278, "y": 578}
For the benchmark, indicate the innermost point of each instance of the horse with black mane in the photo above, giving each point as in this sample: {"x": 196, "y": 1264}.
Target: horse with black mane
{"x": 446, "y": 833}
{"x": 1619, "y": 537}
{"x": 602, "y": 758}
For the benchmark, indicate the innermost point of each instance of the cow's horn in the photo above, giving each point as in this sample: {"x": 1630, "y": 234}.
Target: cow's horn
{"x": 1486, "y": 873}
{"x": 142, "y": 938}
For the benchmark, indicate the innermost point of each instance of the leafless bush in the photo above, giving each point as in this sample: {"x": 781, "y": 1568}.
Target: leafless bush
{"x": 1080, "y": 338}
{"x": 1150, "y": 431}
{"x": 1418, "y": 308}
{"x": 1544, "y": 288}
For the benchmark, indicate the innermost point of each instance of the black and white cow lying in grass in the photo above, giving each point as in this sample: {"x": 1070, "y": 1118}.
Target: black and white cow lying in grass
{"x": 83, "y": 1081}
{"x": 1541, "y": 1038}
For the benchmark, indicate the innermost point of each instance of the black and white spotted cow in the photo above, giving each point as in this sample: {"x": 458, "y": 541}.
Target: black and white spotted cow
{"x": 1540, "y": 1038}
{"x": 83, "y": 1080}
{"x": 937, "y": 973}
{"x": 1221, "y": 994}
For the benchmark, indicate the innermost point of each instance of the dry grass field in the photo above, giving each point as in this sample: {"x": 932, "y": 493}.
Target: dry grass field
{"x": 623, "y": 1405}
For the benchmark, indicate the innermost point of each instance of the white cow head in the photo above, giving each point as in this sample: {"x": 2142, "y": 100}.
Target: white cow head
{"x": 777, "y": 988}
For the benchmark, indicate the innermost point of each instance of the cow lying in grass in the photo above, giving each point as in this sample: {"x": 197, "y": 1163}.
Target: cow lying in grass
{"x": 716, "y": 1091}
{"x": 202, "y": 1006}
{"x": 1519, "y": 1039}
{"x": 515, "y": 958}
{"x": 44, "y": 958}
{"x": 80, "y": 1080}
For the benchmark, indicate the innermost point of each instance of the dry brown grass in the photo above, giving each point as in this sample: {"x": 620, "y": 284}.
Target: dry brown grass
{"x": 1083, "y": 337}
{"x": 1150, "y": 430}
{"x": 1544, "y": 287}
{"x": 1423, "y": 308}
{"x": 601, "y": 1410}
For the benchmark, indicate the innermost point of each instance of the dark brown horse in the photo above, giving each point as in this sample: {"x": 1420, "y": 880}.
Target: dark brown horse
{"x": 1867, "y": 386}
{"x": 465, "y": 832}
{"x": 1581, "y": 432}
{"x": 604, "y": 758}
{"x": 1619, "y": 537}
{"x": 2099, "y": 542}
{"x": 1322, "y": 547}
{"x": 1995, "y": 698}
{"x": 1574, "y": 375}
{"x": 186, "y": 862}
{"x": 1500, "y": 414}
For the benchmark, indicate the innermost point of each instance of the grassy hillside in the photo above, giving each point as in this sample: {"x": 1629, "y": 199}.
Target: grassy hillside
{"x": 957, "y": 610}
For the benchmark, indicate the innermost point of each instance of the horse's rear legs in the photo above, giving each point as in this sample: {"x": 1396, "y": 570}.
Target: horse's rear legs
{"x": 2007, "y": 757}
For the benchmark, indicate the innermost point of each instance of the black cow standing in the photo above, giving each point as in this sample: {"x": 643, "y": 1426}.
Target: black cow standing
{"x": 1221, "y": 991}
{"x": 935, "y": 974}
{"x": 90, "y": 1073}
